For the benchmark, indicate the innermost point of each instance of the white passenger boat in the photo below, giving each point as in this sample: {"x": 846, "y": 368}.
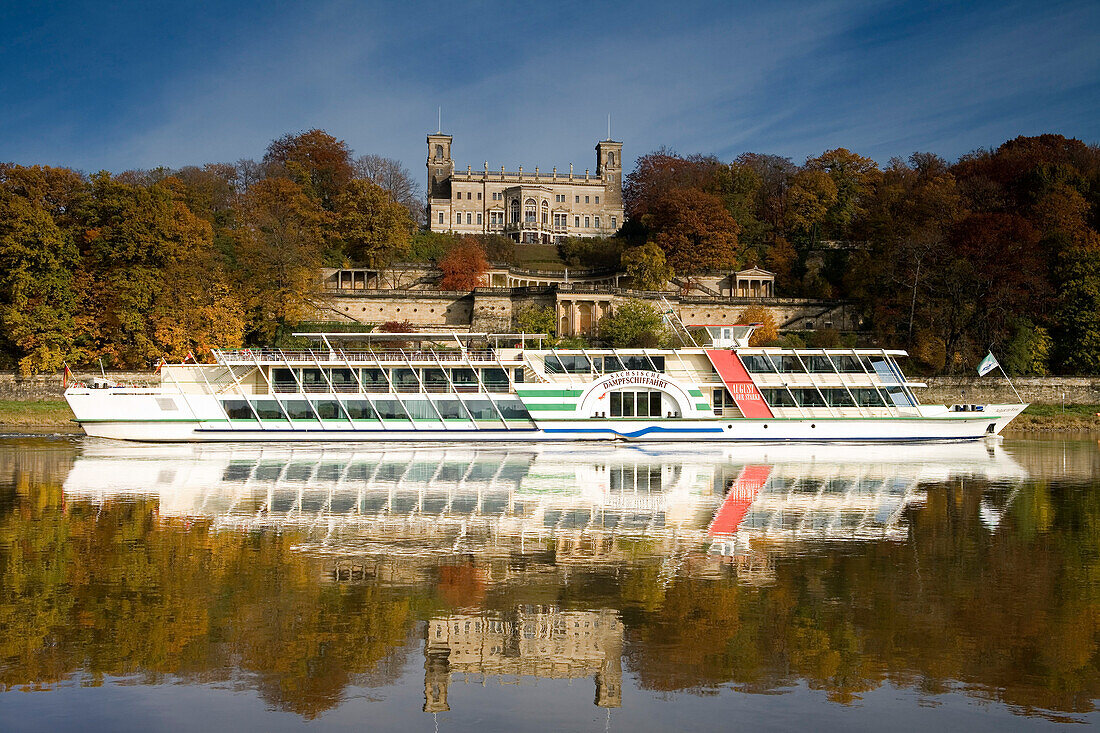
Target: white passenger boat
{"x": 511, "y": 387}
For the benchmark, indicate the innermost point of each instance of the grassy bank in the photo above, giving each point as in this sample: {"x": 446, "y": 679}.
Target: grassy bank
{"x": 35, "y": 414}
{"x": 1051, "y": 418}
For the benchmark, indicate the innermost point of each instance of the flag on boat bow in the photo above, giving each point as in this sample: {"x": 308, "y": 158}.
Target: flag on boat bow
{"x": 988, "y": 364}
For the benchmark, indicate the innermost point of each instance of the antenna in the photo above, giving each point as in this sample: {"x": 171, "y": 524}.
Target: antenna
{"x": 609, "y": 127}
{"x": 439, "y": 126}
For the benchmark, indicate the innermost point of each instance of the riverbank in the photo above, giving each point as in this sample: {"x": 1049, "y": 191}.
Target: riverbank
{"x": 35, "y": 414}
{"x": 16, "y": 414}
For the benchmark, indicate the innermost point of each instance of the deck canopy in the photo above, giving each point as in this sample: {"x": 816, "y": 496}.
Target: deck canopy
{"x": 462, "y": 338}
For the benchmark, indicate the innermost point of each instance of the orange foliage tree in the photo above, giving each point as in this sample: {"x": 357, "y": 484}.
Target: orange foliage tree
{"x": 463, "y": 266}
{"x": 695, "y": 230}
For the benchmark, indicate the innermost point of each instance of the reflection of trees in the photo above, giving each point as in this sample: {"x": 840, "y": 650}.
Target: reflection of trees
{"x": 113, "y": 590}
{"x": 1014, "y": 616}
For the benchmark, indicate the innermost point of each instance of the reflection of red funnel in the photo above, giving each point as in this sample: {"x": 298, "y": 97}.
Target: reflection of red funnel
{"x": 741, "y": 496}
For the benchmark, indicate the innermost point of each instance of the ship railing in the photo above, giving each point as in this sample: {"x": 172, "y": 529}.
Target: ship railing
{"x": 252, "y": 356}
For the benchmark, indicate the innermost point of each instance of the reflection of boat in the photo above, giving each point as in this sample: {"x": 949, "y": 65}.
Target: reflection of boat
{"x": 488, "y": 500}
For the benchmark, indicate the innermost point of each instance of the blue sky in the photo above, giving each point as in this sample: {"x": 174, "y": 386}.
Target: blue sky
{"x": 115, "y": 86}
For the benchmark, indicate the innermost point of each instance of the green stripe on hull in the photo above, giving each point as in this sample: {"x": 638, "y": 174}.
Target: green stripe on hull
{"x": 549, "y": 392}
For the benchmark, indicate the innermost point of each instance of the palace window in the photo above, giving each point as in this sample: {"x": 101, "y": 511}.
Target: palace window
{"x": 469, "y": 218}
{"x": 515, "y": 211}
{"x": 611, "y": 159}
{"x": 479, "y": 217}
{"x": 529, "y": 212}
{"x": 561, "y": 221}
{"x": 441, "y": 217}
{"x": 458, "y": 217}
{"x": 576, "y": 199}
{"x": 586, "y": 199}
{"x": 587, "y": 222}
{"x": 439, "y": 152}
{"x": 545, "y": 213}
{"x": 577, "y": 221}
{"x": 479, "y": 195}
{"x": 597, "y": 220}
{"x": 496, "y": 218}
{"x": 597, "y": 199}
{"x": 614, "y": 222}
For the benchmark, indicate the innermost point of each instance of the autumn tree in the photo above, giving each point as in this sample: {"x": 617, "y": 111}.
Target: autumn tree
{"x": 463, "y": 266}
{"x": 767, "y": 331}
{"x": 37, "y": 263}
{"x": 633, "y": 324}
{"x": 373, "y": 228}
{"x": 646, "y": 266}
{"x": 395, "y": 179}
{"x": 315, "y": 160}
{"x": 147, "y": 260}
{"x": 657, "y": 175}
{"x": 280, "y": 244}
{"x": 854, "y": 177}
{"x": 694, "y": 230}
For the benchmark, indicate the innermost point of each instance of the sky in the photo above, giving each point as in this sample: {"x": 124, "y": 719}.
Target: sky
{"x": 125, "y": 85}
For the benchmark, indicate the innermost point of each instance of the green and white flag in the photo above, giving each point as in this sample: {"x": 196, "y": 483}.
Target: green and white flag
{"x": 989, "y": 363}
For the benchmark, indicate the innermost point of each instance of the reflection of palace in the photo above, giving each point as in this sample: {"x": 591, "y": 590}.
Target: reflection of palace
{"x": 532, "y": 641}
{"x": 603, "y": 505}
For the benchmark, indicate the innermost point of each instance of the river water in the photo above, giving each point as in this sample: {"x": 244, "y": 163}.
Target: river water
{"x": 477, "y": 588}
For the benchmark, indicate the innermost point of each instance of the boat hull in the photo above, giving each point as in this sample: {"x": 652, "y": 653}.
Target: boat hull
{"x": 972, "y": 426}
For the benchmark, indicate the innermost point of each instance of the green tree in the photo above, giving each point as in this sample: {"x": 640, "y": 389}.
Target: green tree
{"x": 633, "y": 324}
{"x": 646, "y": 266}
{"x": 1077, "y": 314}
{"x": 375, "y": 229}
{"x": 537, "y": 319}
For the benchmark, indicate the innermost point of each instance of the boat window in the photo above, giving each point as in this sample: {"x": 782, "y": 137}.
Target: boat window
{"x": 328, "y": 409}
{"x": 404, "y": 380}
{"x": 343, "y": 380}
{"x": 495, "y": 379}
{"x": 465, "y": 380}
{"x": 238, "y": 410}
{"x": 451, "y": 410}
{"x": 420, "y": 410}
{"x": 868, "y": 397}
{"x": 633, "y": 363}
{"x": 517, "y": 374}
{"x": 808, "y": 397}
{"x": 481, "y": 409}
{"x": 389, "y": 409}
{"x": 374, "y": 380}
{"x": 899, "y": 396}
{"x": 513, "y": 409}
{"x": 839, "y": 398}
{"x": 636, "y": 404}
{"x": 847, "y": 364}
{"x": 788, "y": 364}
{"x": 313, "y": 380}
{"x": 298, "y": 410}
{"x": 359, "y": 410}
{"x": 268, "y": 410}
{"x": 282, "y": 380}
{"x": 778, "y": 398}
{"x": 435, "y": 380}
{"x": 567, "y": 364}
{"x": 757, "y": 363}
{"x": 819, "y": 364}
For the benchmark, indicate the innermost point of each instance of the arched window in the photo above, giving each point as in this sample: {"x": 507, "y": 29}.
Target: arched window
{"x": 611, "y": 158}
{"x": 515, "y": 211}
{"x": 439, "y": 152}
{"x": 545, "y": 213}
{"x": 529, "y": 212}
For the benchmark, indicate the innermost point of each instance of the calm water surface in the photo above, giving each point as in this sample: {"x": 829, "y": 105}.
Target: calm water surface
{"x": 482, "y": 588}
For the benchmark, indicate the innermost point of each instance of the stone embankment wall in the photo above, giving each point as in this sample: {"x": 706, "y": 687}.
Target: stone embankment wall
{"x": 940, "y": 390}
{"x": 48, "y": 386}
{"x": 980, "y": 390}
